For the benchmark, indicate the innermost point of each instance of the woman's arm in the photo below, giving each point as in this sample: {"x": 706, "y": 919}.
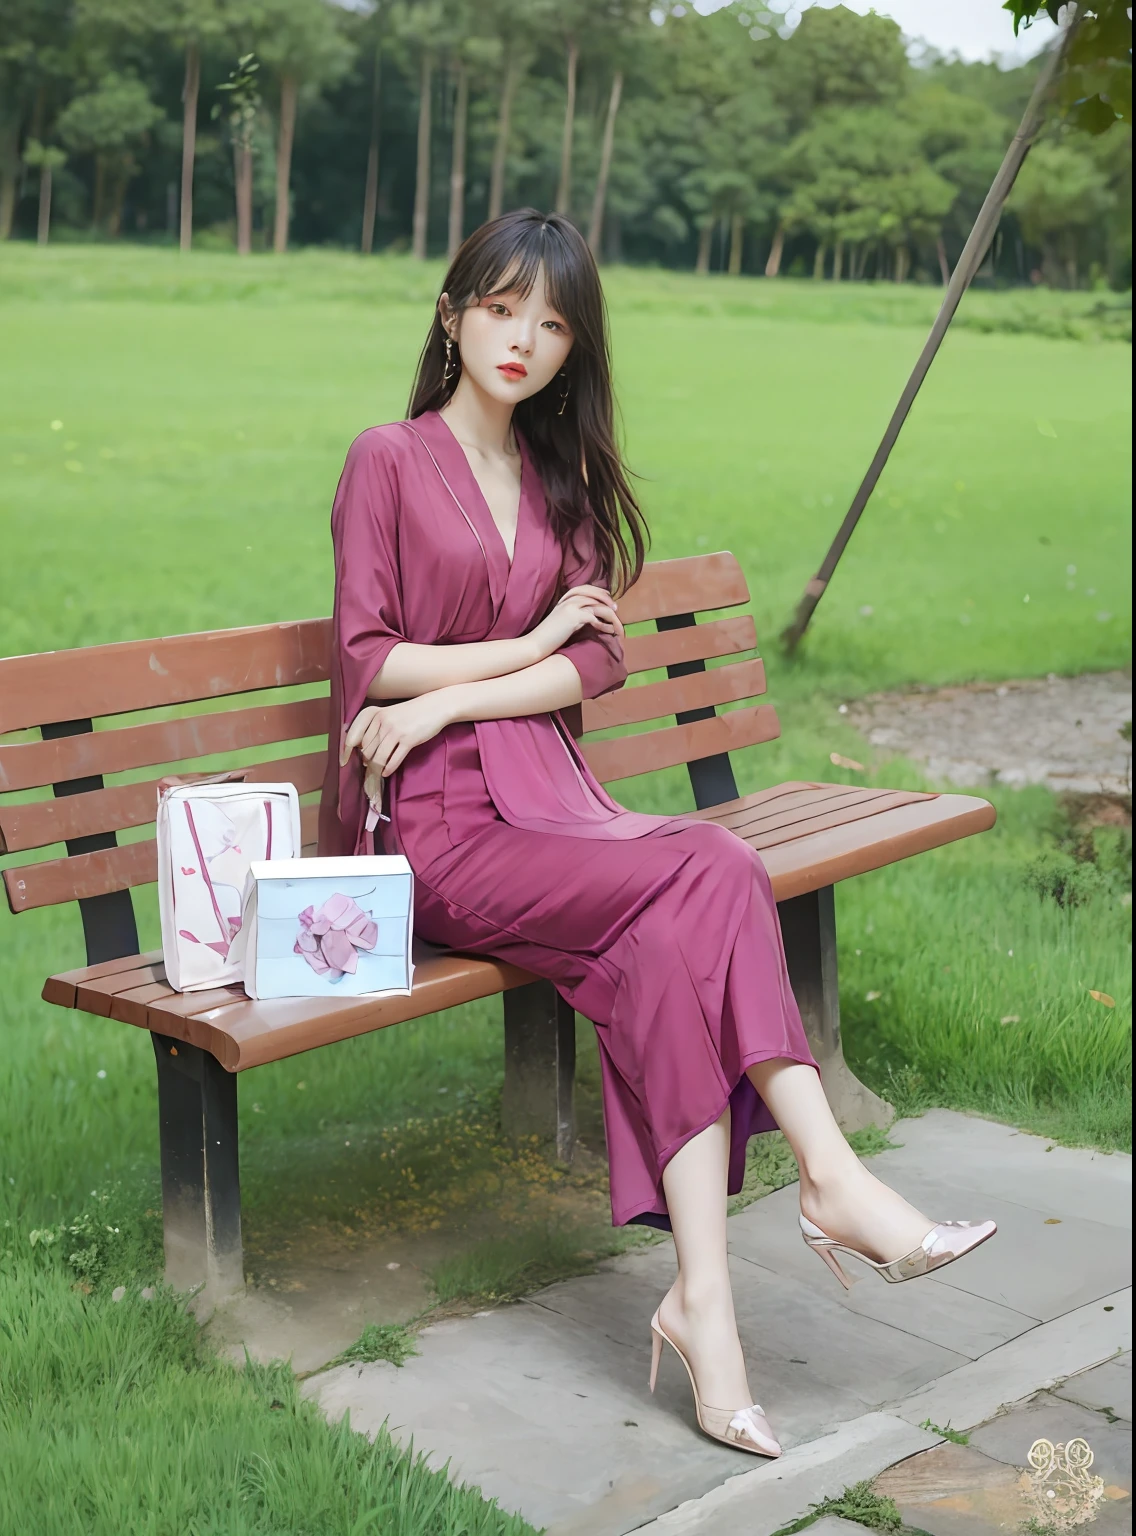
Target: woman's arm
{"x": 411, "y": 670}
{"x": 384, "y": 735}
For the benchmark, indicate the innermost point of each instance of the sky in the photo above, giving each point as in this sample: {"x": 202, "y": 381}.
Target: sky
{"x": 976, "y": 29}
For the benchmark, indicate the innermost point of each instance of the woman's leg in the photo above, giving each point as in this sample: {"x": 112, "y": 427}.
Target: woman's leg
{"x": 698, "y": 1310}
{"x": 837, "y": 1191}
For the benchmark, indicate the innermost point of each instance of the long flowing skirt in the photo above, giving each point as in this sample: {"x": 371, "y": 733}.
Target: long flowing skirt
{"x": 669, "y": 943}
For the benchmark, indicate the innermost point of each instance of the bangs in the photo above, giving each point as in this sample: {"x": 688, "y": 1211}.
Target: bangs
{"x": 510, "y": 264}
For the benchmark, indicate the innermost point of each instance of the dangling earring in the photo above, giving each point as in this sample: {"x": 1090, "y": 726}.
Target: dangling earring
{"x": 564, "y": 393}
{"x": 450, "y": 370}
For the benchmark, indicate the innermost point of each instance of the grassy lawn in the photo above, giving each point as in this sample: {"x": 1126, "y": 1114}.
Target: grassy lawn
{"x": 205, "y": 406}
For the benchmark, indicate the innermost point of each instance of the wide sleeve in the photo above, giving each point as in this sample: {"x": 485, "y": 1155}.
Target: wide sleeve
{"x": 367, "y": 621}
{"x": 368, "y": 615}
{"x": 597, "y": 657}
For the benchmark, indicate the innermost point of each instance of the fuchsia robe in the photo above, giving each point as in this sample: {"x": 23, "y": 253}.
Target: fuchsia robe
{"x": 661, "y": 930}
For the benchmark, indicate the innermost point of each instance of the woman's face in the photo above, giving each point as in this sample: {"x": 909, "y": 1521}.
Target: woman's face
{"x": 510, "y": 346}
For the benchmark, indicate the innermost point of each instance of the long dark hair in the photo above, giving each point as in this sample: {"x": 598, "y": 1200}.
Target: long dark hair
{"x": 579, "y": 443}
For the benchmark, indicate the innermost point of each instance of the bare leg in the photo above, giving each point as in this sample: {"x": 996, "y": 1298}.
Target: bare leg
{"x": 837, "y": 1190}
{"x": 698, "y": 1310}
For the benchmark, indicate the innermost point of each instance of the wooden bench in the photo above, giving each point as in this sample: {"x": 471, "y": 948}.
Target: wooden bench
{"x": 810, "y": 835}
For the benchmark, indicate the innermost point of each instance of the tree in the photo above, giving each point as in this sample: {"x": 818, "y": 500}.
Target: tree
{"x": 862, "y": 181}
{"x": 193, "y": 25}
{"x": 35, "y": 37}
{"x": 1060, "y": 193}
{"x": 422, "y": 29}
{"x": 110, "y": 123}
{"x": 46, "y": 158}
{"x": 304, "y": 44}
{"x": 239, "y": 110}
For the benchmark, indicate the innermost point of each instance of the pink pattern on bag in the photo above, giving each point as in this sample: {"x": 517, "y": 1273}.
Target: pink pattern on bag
{"x": 330, "y": 937}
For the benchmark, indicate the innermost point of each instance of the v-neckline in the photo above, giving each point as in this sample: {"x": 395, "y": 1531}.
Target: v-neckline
{"x": 510, "y": 559}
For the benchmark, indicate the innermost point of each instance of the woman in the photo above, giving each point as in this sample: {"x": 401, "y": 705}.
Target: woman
{"x": 478, "y": 548}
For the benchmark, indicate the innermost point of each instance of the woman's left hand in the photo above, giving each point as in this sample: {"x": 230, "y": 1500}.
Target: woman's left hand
{"x": 385, "y": 733}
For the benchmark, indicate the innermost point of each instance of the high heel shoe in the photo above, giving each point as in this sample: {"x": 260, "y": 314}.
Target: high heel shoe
{"x": 746, "y": 1428}
{"x": 942, "y": 1245}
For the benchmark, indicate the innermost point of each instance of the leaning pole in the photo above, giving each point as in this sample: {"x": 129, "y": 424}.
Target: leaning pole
{"x": 969, "y": 262}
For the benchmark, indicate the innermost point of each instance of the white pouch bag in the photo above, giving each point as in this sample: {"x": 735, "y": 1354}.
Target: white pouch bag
{"x": 328, "y": 927}
{"x": 208, "y": 835}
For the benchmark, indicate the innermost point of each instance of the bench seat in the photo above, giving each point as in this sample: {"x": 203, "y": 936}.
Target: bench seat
{"x": 809, "y": 835}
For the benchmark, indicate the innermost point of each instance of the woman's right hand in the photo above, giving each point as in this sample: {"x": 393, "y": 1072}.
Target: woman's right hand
{"x": 581, "y": 606}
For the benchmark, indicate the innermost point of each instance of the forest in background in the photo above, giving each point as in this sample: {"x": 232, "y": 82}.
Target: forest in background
{"x": 753, "y": 140}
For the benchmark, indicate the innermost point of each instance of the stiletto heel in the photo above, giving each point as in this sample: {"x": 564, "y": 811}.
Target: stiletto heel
{"x": 656, "y": 1354}
{"x": 834, "y": 1264}
{"x": 942, "y": 1245}
{"x": 745, "y": 1428}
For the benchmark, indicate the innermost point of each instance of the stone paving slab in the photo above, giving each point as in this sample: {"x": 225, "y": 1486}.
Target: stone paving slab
{"x": 544, "y": 1405}
{"x": 1104, "y": 1386}
{"x": 759, "y": 1502}
{"x": 988, "y": 1485}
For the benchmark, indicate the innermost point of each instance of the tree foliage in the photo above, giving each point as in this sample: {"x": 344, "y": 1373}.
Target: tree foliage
{"x": 731, "y": 141}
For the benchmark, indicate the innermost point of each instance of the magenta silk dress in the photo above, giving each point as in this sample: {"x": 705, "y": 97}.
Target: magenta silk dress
{"x": 663, "y": 931}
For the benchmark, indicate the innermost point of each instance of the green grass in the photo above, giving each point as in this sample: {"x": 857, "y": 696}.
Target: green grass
{"x": 206, "y": 405}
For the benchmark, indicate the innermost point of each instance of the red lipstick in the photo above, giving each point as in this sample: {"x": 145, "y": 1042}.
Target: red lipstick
{"x": 513, "y": 370}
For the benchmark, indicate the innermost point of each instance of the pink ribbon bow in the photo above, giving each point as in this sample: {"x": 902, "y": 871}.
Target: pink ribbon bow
{"x": 330, "y": 937}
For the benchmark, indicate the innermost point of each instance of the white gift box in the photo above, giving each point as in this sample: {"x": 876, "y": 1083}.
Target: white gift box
{"x": 208, "y": 834}
{"x": 328, "y": 927}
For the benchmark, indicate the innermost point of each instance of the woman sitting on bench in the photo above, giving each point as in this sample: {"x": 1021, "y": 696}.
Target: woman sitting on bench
{"x": 477, "y": 546}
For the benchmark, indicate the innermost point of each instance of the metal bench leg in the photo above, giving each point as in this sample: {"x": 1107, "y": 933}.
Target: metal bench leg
{"x": 201, "y": 1190}
{"x": 540, "y": 1068}
{"x": 808, "y": 928}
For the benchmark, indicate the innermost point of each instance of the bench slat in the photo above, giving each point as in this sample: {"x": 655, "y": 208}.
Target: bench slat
{"x": 674, "y": 744}
{"x": 691, "y": 584}
{"x": 674, "y": 695}
{"x": 242, "y": 1033}
{"x": 144, "y": 674}
{"x": 694, "y": 642}
{"x": 108, "y": 869}
{"x": 823, "y": 858}
{"x": 44, "y": 822}
{"x": 32, "y": 764}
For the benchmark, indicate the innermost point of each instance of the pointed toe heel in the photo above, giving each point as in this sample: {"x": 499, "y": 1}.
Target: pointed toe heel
{"x": 947, "y": 1241}
{"x": 747, "y": 1429}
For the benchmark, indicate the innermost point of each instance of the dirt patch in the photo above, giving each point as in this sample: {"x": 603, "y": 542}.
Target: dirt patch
{"x": 1073, "y": 734}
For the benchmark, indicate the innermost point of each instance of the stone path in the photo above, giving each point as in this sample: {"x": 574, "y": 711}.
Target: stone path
{"x": 1061, "y": 731}
{"x": 544, "y": 1404}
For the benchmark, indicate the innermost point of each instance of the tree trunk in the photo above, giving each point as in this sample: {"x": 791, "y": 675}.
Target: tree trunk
{"x": 43, "y": 228}
{"x": 773, "y": 265}
{"x": 819, "y": 260}
{"x": 285, "y": 138}
{"x": 705, "y": 235}
{"x": 189, "y": 95}
{"x": 944, "y": 264}
{"x": 838, "y": 261}
{"x": 564, "y": 189}
{"x": 7, "y": 201}
{"x": 596, "y": 230}
{"x": 118, "y": 185}
{"x": 422, "y": 171}
{"x": 10, "y": 126}
{"x": 501, "y": 143}
{"x": 737, "y": 239}
{"x": 457, "y": 161}
{"x": 902, "y": 263}
{"x": 371, "y": 185}
{"x": 99, "y": 193}
{"x": 242, "y": 176}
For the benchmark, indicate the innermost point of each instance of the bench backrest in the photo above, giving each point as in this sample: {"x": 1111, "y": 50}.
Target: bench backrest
{"x": 61, "y": 694}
